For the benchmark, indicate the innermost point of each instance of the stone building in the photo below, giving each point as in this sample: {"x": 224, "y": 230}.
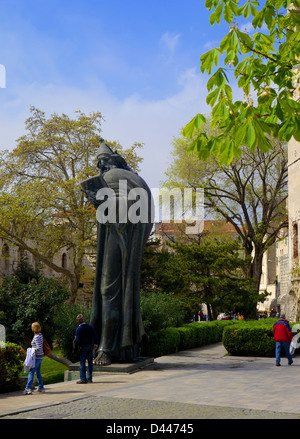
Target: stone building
{"x": 284, "y": 285}
{"x": 289, "y": 299}
{"x": 281, "y": 269}
{"x": 11, "y": 255}
{"x": 172, "y": 231}
{"x": 275, "y": 273}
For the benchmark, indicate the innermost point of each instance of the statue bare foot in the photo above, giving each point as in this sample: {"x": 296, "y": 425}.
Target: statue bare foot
{"x": 102, "y": 359}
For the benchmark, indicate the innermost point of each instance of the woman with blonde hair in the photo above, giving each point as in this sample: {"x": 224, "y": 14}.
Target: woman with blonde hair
{"x": 37, "y": 345}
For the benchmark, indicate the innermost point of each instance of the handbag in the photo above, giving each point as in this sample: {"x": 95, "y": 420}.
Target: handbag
{"x": 46, "y": 347}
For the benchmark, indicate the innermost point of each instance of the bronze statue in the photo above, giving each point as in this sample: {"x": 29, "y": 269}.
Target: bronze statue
{"x": 124, "y": 211}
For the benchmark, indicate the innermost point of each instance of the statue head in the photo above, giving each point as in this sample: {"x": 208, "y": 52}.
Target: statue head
{"x": 107, "y": 159}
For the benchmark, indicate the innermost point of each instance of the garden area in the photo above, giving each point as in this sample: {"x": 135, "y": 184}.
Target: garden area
{"x": 27, "y": 296}
{"x": 240, "y": 338}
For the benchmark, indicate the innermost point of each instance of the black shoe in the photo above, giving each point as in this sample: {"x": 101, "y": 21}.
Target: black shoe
{"x": 291, "y": 362}
{"x": 278, "y": 364}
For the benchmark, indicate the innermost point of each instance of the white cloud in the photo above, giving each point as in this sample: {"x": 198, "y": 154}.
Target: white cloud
{"x": 211, "y": 44}
{"x": 169, "y": 41}
{"x": 133, "y": 119}
{"x": 247, "y": 27}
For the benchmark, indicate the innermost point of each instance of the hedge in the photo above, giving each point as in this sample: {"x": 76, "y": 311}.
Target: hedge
{"x": 240, "y": 338}
{"x": 12, "y": 358}
{"x": 192, "y": 335}
{"x": 249, "y": 340}
{"x": 253, "y": 338}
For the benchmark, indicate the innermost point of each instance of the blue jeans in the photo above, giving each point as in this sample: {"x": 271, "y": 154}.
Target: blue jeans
{"x": 35, "y": 370}
{"x": 286, "y": 346}
{"x": 86, "y": 353}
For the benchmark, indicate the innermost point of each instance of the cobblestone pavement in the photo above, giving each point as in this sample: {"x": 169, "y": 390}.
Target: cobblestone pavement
{"x": 93, "y": 407}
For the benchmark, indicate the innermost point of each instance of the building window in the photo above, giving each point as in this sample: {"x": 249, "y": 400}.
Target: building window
{"x": 64, "y": 260}
{"x": 295, "y": 240}
{"x": 5, "y": 256}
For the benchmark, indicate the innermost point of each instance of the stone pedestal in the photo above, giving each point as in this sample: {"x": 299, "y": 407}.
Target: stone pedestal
{"x": 139, "y": 363}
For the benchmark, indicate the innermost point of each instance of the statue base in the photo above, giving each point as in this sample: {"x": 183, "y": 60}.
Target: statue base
{"x": 139, "y": 363}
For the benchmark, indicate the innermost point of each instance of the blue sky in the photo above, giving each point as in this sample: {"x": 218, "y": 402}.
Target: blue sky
{"x": 137, "y": 62}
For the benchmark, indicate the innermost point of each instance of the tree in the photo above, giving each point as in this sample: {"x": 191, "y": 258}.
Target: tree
{"x": 27, "y": 297}
{"x": 211, "y": 272}
{"x": 160, "y": 310}
{"x": 250, "y": 194}
{"x": 65, "y": 328}
{"x": 266, "y": 68}
{"x": 43, "y": 211}
{"x": 153, "y": 263}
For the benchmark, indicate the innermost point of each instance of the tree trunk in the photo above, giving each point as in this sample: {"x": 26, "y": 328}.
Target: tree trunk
{"x": 210, "y": 315}
{"x": 256, "y": 267}
{"x": 214, "y": 312}
{"x": 62, "y": 360}
{"x": 74, "y": 283}
{"x": 255, "y": 274}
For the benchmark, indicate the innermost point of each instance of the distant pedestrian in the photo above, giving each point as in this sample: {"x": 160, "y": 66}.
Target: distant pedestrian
{"x": 86, "y": 339}
{"x": 283, "y": 337}
{"x": 37, "y": 346}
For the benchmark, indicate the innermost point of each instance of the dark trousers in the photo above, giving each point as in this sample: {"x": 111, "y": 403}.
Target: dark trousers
{"x": 286, "y": 346}
{"x": 86, "y": 354}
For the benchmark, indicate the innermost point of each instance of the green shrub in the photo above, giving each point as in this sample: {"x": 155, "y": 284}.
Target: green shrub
{"x": 161, "y": 310}
{"x": 12, "y": 358}
{"x": 164, "y": 342}
{"x": 251, "y": 338}
{"x": 65, "y": 327}
{"x": 192, "y": 335}
{"x": 24, "y": 303}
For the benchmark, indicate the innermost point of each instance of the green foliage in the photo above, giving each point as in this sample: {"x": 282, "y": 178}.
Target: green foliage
{"x": 249, "y": 194}
{"x": 253, "y": 338}
{"x": 161, "y": 310}
{"x": 164, "y": 342}
{"x": 266, "y": 63}
{"x": 38, "y": 299}
{"x": 25, "y": 272}
{"x": 211, "y": 272}
{"x": 152, "y": 267}
{"x": 250, "y": 338}
{"x": 41, "y": 193}
{"x": 193, "y": 335}
{"x": 11, "y": 363}
{"x": 65, "y": 327}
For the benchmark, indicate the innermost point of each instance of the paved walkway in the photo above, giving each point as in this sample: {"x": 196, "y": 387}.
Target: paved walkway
{"x": 195, "y": 384}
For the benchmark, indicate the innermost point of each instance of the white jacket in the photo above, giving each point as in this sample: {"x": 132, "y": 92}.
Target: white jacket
{"x": 29, "y": 362}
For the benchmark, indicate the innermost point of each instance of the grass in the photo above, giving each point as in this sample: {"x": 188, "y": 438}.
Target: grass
{"x": 52, "y": 371}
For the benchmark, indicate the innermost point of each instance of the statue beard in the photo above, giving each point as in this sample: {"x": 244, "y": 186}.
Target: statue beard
{"x": 104, "y": 169}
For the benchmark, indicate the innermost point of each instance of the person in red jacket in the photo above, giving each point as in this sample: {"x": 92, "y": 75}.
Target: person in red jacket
{"x": 283, "y": 337}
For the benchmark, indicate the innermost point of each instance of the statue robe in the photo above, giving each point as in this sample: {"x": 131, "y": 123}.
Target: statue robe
{"x": 116, "y": 313}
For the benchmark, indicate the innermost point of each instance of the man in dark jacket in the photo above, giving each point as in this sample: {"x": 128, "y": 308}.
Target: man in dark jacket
{"x": 282, "y": 336}
{"x": 87, "y": 340}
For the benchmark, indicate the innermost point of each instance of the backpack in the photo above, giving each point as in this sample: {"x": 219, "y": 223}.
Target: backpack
{"x": 46, "y": 347}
